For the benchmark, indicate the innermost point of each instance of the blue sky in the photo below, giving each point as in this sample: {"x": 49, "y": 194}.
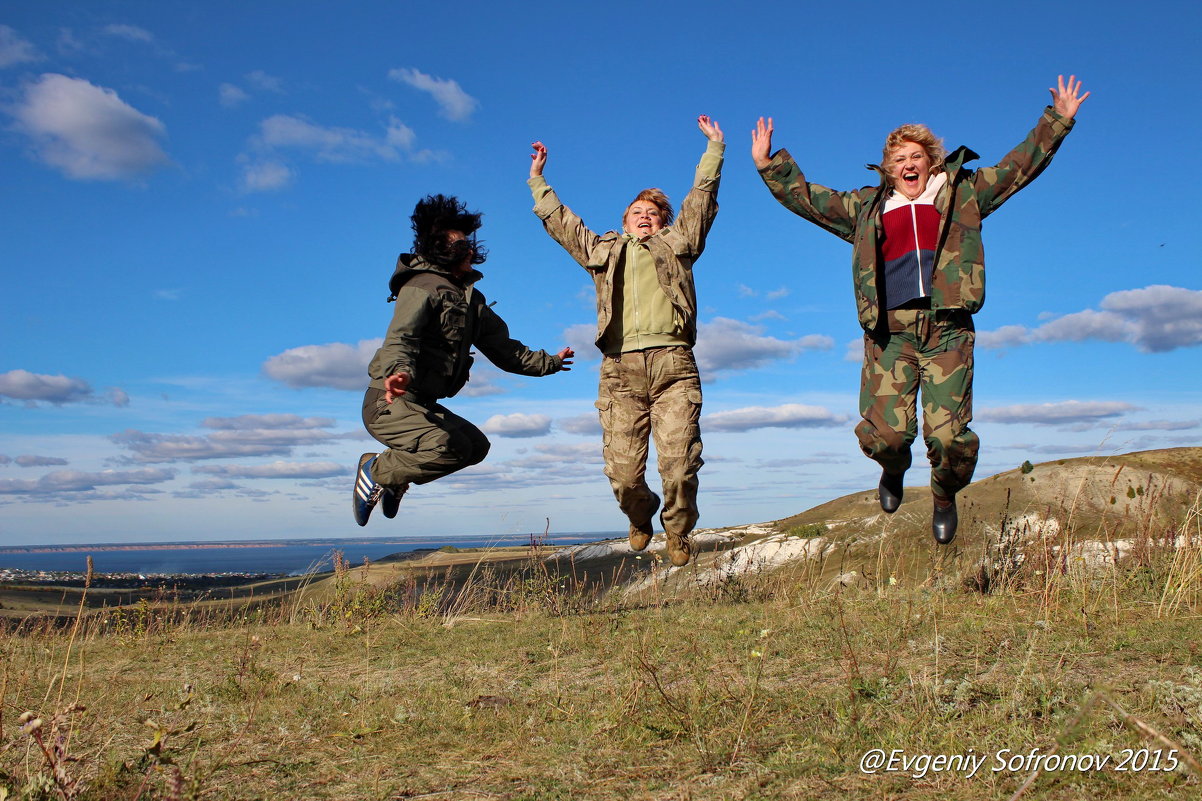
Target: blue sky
{"x": 201, "y": 205}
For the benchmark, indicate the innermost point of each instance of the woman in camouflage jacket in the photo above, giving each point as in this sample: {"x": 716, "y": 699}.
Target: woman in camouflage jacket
{"x": 918, "y": 279}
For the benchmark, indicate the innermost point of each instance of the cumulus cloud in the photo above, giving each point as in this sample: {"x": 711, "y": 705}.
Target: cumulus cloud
{"x": 14, "y": 49}
{"x": 725, "y": 345}
{"x": 517, "y": 425}
{"x": 29, "y": 460}
{"x": 87, "y": 131}
{"x": 580, "y": 424}
{"x": 56, "y": 389}
{"x": 72, "y": 481}
{"x": 453, "y": 103}
{"x": 789, "y": 415}
{"x": 336, "y": 365}
{"x": 1064, "y": 413}
{"x": 1154, "y": 319}
{"x": 290, "y": 470}
{"x": 33, "y": 388}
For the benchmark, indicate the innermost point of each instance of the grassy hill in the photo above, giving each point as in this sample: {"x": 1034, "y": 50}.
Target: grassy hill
{"x": 595, "y": 675}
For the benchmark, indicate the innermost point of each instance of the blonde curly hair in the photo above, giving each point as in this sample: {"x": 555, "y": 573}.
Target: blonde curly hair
{"x": 919, "y": 135}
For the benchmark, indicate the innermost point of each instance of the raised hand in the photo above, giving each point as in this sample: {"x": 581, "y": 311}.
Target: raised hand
{"x": 1067, "y": 99}
{"x": 565, "y": 356}
{"x": 538, "y": 159}
{"x": 710, "y": 128}
{"x": 761, "y": 143}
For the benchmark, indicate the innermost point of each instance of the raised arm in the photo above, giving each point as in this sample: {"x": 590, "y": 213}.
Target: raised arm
{"x": 827, "y": 208}
{"x": 560, "y": 222}
{"x": 700, "y": 205}
{"x": 1022, "y": 165}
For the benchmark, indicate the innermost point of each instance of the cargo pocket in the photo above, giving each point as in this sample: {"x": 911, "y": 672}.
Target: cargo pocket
{"x": 605, "y": 412}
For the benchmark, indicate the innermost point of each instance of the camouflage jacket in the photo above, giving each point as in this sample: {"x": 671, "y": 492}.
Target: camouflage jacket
{"x": 968, "y": 198}
{"x": 673, "y": 248}
{"x": 437, "y": 320}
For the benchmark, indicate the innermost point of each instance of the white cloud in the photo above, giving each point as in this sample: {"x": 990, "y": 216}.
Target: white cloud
{"x": 1064, "y": 413}
{"x": 56, "y": 389}
{"x": 288, "y": 470}
{"x": 454, "y": 103}
{"x": 588, "y": 423}
{"x": 777, "y": 294}
{"x": 855, "y": 351}
{"x": 789, "y": 415}
{"x": 726, "y": 344}
{"x": 331, "y": 144}
{"x": 265, "y": 176}
{"x": 87, "y": 131}
{"x": 517, "y": 425}
{"x": 1155, "y": 319}
{"x": 336, "y": 366}
{"x": 14, "y": 49}
{"x": 73, "y": 481}
{"x": 230, "y": 95}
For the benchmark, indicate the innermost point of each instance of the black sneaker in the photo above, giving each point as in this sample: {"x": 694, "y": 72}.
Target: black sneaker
{"x": 367, "y": 492}
{"x": 390, "y": 500}
{"x": 890, "y": 491}
{"x": 943, "y": 522}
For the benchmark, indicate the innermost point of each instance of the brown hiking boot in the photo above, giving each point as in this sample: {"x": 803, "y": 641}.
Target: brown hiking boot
{"x": 679, "y": 549}
{"x": 640, "y": 534}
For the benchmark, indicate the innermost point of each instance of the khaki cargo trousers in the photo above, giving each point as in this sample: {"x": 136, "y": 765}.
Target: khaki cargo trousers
{"x": 425, "y": 439}
{"x": 931, "y": 351}
{"x": 654, "y": 392}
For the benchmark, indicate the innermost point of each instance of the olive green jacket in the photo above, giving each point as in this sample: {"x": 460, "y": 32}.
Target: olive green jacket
{"x": 674, "y": 248}
{"x": 436, "y": 322}
{"x": 968, "y": 198}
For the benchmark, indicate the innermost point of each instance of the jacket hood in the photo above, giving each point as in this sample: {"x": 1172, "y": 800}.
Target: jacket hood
{"x": 410, "y": 264}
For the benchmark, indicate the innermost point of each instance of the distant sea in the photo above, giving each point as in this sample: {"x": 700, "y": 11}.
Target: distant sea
{"x": 292, "y": 557}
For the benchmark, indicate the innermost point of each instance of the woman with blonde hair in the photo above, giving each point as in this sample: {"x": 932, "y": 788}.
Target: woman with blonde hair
{"x": 919, "y": 276}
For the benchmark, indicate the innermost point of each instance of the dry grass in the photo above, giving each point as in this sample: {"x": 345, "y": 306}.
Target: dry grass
{"x": 520, "y": 680}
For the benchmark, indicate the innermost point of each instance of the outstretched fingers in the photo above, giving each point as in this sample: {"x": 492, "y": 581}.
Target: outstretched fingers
{"x": 1067, "y": 98}
{"x": 761, "y": 142}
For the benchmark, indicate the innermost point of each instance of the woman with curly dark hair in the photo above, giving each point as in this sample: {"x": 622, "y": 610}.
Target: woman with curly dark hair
{"x": 438, "y": 318}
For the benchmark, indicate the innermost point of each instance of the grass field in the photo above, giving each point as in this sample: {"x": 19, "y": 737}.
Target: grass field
{"x": 508, "y": 679}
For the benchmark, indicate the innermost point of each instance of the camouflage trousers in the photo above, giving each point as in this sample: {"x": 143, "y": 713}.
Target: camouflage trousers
{"x": 653, "y": 392}
{"x": 931, "y": 351}
{"x": 425, "y": 439}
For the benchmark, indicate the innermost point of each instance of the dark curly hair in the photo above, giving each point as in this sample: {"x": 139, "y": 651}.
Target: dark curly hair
{"x": 432, "y": 218}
